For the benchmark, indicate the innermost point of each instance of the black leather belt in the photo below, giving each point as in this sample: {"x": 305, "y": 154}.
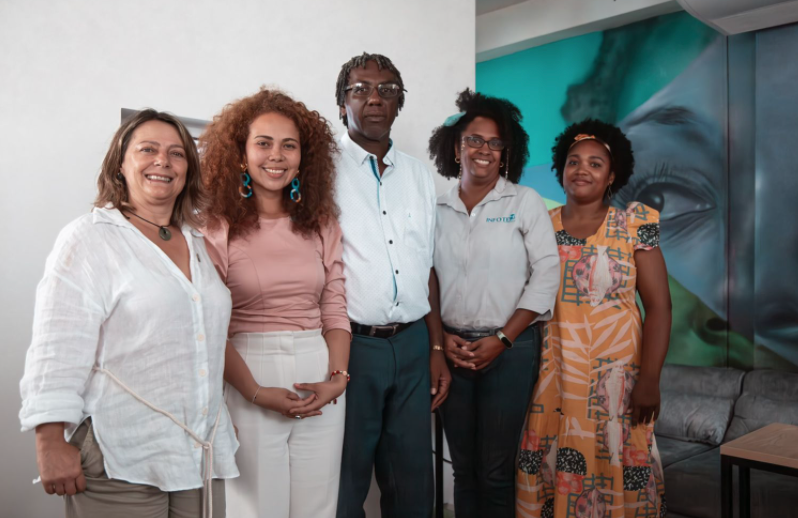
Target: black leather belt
{"x": 384, "y": 331}
{"x": 469, "y": 334}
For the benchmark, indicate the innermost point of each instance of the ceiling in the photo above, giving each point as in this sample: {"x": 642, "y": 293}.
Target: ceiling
{"x": 487, "y": 6}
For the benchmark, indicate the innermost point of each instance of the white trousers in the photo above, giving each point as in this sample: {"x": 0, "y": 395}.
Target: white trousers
{"x": 290, "y": 468}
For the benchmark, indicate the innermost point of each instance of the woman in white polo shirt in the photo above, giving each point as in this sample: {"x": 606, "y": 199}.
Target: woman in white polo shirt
{"x": 497, "y": 265}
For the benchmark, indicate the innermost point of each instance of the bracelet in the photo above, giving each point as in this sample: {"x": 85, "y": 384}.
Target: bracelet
{"x": 256, "y": 394}
{"x": 437, "y": 348}
{"x": 348, "y": 377}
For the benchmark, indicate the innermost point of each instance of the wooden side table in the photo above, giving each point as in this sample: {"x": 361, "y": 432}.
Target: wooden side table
{"x": 772, "y": 448}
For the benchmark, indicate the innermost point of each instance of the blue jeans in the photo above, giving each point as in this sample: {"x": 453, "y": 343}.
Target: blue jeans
{"x": 388, "y": 426}
{"x": 483, "y": 418}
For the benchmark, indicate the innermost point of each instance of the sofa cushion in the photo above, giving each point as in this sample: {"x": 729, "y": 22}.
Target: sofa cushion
{"x": 674, "y": 450}
{"x": 703, "y": 381}
{"x": 694, "y": 418}
{"x": 697, "y": 402}
{"x": 692, "y": 487}
{"x": 768, "y": 397}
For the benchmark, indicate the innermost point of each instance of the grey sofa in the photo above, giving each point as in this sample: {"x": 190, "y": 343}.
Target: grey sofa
{"x": 703, "y": 407}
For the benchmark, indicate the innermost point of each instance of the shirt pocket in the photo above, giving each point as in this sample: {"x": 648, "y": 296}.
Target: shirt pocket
{"x": 416, "y": 232}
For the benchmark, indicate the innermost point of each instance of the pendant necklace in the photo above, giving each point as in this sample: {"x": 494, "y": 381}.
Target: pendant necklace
{"x": 163, "y": 232}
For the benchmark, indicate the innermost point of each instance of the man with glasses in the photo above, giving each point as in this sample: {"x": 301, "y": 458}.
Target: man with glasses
{"x": 397, "y": 367}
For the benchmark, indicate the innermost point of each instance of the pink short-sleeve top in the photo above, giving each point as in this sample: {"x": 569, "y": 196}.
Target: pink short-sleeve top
{"x": 281, "y": 280}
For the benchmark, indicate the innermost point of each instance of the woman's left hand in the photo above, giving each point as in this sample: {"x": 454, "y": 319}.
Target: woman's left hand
{"x": 325, "y": 391}
{"x": 645, "y": 401}
{"x": 485, "y": 351}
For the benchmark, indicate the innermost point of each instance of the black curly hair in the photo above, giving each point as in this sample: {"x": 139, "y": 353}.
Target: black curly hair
{"x": 507, "y": 117}
{"x": 621, "y": 154}
{"x": 360, "y": 62}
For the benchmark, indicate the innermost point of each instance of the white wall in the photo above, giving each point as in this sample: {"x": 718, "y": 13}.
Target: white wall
{"x": 67, "y": 68}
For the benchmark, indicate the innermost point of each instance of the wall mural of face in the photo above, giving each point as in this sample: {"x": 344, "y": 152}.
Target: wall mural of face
{"x": 679, "y": 135}
{"x": 680, "y": 153}
{"x": 776, "y": 212}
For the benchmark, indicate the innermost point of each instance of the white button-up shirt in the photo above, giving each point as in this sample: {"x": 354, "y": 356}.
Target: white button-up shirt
{"x": 389, "y": 227}
{"x": 501, "y": 257}
{"x": 111, "y": 299}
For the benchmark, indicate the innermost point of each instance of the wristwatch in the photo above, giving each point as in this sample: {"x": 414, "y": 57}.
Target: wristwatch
{"x": 506, "y": 341}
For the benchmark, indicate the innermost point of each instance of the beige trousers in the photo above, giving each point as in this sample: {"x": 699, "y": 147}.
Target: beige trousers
{"x": 105, "y": 498}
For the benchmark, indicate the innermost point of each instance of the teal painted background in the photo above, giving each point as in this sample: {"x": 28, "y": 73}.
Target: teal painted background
{"x": 627, "y": 66}
{"x": 671, "y": 83}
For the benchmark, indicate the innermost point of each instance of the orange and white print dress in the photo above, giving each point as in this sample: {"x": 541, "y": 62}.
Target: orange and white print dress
{"x": 580, "y": 456}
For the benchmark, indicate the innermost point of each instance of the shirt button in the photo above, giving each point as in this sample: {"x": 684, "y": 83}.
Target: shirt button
{"x": 397, "y": 271}
{"x": 200, "y": 337}
{"x": 204, "y": 411}
{"x": 202, "y": 373}
{"x": 397, "y": 304}
{"x": 384, "y": 212}
{"x": 196, "y": 297}
{"x": 390, "y": 241}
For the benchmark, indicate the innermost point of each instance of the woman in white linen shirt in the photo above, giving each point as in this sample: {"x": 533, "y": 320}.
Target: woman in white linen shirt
{"x": 498, "y": 269}
{"x": 128, "y": 341}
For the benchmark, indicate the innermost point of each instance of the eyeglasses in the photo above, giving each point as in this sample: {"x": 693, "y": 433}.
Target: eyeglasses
{"x": 386, "y": 91}
{"x": 477, "y": 142}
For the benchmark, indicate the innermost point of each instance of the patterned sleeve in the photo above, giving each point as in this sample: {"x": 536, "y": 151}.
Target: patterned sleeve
{"x": 642, "y": 223}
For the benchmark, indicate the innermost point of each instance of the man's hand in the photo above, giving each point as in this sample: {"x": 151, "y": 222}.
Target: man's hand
{"x": 58, "y": 461}
{"x": 440, "y": 378}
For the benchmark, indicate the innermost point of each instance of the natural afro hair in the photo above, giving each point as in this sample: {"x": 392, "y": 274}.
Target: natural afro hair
{"x": 360, "y": 62}
{"x": 507, "y": 117}
{"x": 621, "y": 155}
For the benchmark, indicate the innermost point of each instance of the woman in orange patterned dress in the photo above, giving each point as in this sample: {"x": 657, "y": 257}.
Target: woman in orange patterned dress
{"x": 589, "y": 450}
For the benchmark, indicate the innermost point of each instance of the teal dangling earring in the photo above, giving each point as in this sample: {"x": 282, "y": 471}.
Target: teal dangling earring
{"x": 245, "y": 189}
{"x": 296, "y": 196}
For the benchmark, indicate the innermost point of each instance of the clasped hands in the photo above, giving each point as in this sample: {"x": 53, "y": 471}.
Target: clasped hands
{"x": 290, "y": 404}
{"x": 474, "y": 355}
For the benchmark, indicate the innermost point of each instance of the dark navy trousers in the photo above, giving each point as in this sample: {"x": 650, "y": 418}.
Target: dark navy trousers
{"x": 388, "y": 426}
{"x": 483, "y": 418}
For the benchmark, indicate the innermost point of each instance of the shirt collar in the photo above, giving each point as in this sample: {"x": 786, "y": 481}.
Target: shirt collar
{"x": 110, "y": 215}
{"x": 502, "y": 189}
{"x": 360, "y": 155}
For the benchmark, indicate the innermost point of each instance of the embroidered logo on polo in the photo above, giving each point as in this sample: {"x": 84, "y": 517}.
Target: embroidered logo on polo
{"x": 506, "y": 219}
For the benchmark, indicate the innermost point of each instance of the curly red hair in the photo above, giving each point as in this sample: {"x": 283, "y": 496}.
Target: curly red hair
{"x": 222, "y": 147}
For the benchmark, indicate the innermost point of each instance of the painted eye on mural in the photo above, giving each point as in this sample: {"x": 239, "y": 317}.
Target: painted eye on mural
{"x": 673, "y": 201}
{"x": 677, "y": 197}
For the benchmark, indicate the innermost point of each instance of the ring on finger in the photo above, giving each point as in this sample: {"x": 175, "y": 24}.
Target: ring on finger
{"x": 297, "y": 417}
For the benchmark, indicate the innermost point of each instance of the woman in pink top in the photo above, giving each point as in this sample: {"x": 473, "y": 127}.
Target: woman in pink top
{"x": 273, "y": 236}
